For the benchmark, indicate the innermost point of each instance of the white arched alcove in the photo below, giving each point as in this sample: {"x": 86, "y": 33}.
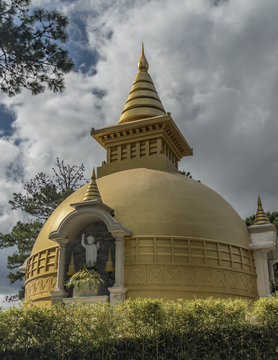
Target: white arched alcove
{"x": 85, "y": 213}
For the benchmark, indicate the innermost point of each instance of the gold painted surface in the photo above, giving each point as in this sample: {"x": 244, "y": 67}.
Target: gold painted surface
{"x": 155, "y": 202}
{"x": 180, "y": 267}
{"x": 143, "y": 101}
{"x": 143, "y": 93}
{"x": 142, "y": 112}
{"x": 143, "y": 64}
{"x": 143, "y": 77}
{"x": 196, "y": 282}
{"x": 41, "y": 275}
{"x": 142, "y": 86}
{"x": 154, "y": 143}
{"x": 140, "y": 128}
{"x": 261, "y": 217}
{"x": 43, "y": 262}
{"x": 92, "y": 192}
{"x": 72, "y": 268}
{"x": 155, "y": 162}
{"x": 109, "y": 266}
{"x": 40, "y": 288}
{"x": 171, "y": 267}
{"x": 187, "y": 251}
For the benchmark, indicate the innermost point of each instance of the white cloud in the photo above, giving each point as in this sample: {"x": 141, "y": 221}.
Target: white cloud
{"x": 214, "y": 68}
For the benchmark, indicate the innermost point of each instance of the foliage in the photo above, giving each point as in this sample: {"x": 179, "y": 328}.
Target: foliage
{"x": 143, "y": 329}
{"x": 31, "y": 51}
{"x": 24, "y": 235}
{"x": 187, "y": 173}
{"x": 42, "y": 196}
{"x": 87, "y": 276}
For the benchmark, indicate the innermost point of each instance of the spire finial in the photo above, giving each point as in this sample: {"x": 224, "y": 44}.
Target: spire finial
{"x": 143, "y": 101}
{"x": 92, "y": 192}
{"x": 143, "y": 64}
{"x": 71, "y": 269}
{"x": 261, "y": 217}
{"x": 109, "y": 263}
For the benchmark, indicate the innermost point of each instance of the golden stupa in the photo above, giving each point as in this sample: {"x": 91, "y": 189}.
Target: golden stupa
{"x": 186, "y": 241}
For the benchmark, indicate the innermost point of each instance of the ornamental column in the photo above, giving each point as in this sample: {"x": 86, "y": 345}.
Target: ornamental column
{"x": 263, "y": 241}
{"x": 263, "y": 278}
{"x": 59, "y": 292}
{"x": 118, "y": 291}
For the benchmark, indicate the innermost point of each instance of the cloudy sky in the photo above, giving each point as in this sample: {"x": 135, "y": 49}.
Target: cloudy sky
{"x": 214, "y": 65}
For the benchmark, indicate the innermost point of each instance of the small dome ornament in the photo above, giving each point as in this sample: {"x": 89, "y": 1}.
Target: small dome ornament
{"x": 143, "y": 64}
{"x": 92, "y": 192}
{"x": 261, "y": 217}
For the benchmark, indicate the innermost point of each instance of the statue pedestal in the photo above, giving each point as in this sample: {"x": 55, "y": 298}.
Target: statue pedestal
{"x": 117, "y": 294}
{"x": 86, "y": 300}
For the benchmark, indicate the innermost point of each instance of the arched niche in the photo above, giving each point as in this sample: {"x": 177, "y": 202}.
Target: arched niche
{"x": 105, "y": 244}
{"x": 84, "y": 216}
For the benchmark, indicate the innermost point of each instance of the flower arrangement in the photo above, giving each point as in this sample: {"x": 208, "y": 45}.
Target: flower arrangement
{"x": 86, "y": 278}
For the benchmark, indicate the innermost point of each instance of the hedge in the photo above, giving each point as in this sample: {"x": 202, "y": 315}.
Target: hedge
{"x": 143, "y": 329}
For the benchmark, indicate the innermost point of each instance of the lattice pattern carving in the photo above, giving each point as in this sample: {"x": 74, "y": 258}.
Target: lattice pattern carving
{"x": 193, "y": 279}
{"x": 190, "y": 251}
{"x": 191, "y": 265}
{"x": 41, "y": 274}
{"x": 42, "y": 263}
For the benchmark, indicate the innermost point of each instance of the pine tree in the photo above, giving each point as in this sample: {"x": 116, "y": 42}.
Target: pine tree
{"x": 41, "y": 197}
{"x": 31, "y": 51}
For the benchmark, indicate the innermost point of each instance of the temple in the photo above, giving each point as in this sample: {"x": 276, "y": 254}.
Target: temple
{"x": 151, "y": 231}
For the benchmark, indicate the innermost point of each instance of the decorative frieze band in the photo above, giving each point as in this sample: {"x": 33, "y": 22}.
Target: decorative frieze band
{"x": 187, "y": 251}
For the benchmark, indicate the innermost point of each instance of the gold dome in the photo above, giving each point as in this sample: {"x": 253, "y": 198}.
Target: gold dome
{"x": 187, "y": 240}
{"x": 151, "y": 202}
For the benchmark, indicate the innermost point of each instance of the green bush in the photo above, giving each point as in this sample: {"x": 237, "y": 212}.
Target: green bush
{"x": 143, "y": 329}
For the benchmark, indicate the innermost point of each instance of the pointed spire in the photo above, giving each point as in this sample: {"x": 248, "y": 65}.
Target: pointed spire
{"x": 143, "y": 101}
{"x": 109, "y": 263}
{"x": 72, "y": 269}
{"x": 143, "y": 64}
{"x": 92, "y": 192}
{"x": 261, "y": 217}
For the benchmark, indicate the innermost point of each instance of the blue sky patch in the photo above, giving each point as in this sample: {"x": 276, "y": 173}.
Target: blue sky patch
{"x": 6, "y": 119}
